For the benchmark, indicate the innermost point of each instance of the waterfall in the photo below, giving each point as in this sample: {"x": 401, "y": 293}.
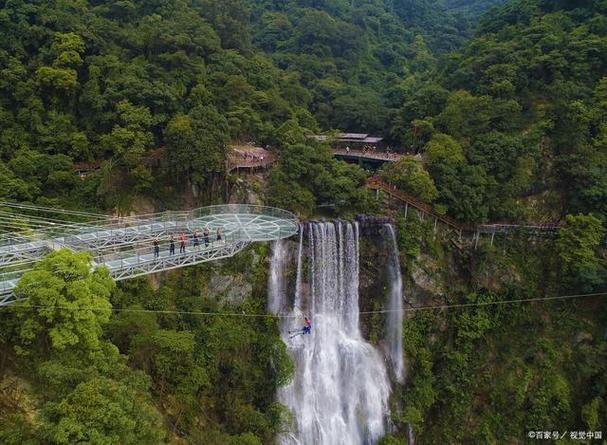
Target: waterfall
{"x": 394, "y": 334}
{"x": 277, "y": 285}
{"x": 340, "y": 390}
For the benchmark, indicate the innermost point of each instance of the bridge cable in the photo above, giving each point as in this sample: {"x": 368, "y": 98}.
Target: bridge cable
{"x": 237, "y": 314}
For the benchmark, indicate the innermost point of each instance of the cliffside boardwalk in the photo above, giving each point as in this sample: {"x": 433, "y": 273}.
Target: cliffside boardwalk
{"x": 248, "y": 158}
{"x": 475, "y": 231}
{"x": 141, "y": 245}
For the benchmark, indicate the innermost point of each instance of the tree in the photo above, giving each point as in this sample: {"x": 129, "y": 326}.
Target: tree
{"x": 497, "y": 153}
{"x": 465, "y": 115}
{"x": 443, "y": 151}
{"x": 308, "y": 175}
{"x": 577, "y": 246}
{"x": 197, "y": 143}
{"x": 12, "y": 187}
{"x": 422, "y": 60}
{"x": 65, "y": 304}
{"x": 409, "y": 175}
{"x": 465, "y": 190}
{"x": 129, "y": 140}
{"x": 104, "y": 412}
{"x": 174, "y": 362}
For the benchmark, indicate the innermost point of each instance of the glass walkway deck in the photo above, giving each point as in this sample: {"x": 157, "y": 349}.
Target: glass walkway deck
{"x": 126, "y": 246}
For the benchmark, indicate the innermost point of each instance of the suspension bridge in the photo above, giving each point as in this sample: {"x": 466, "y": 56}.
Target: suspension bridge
{"x": 136, "y": 245}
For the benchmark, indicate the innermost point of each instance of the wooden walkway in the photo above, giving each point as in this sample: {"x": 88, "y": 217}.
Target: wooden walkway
{"x": 366, "y": 154}
{"x": 251, "y": 158}
{"x": 376, "y": 183}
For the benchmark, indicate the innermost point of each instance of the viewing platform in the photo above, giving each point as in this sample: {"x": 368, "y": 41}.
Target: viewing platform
{"x": 249, "y": 157}
{"x": 126, "y": 245}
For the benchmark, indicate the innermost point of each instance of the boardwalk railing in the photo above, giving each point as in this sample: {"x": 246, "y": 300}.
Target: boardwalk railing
{"x": 376, "y": 183}
{"x": 366, "y": 154}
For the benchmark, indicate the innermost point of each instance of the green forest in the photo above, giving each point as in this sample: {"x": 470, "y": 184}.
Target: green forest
{"x": 500, "y": 110}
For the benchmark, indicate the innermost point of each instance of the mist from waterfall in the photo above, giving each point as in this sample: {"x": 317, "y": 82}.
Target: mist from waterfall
{"x": 277, "y": 285}
{"x": 394, "y": 331}
{"x": 340, "y": 390}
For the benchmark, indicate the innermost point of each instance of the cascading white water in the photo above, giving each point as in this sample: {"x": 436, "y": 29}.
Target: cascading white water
{"x": 394, "y": 334}
{"x": 339, "y": 394}
{"x": 277, "y": 285}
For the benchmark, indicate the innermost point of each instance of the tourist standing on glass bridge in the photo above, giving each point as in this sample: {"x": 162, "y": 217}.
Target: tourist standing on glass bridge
{"x": 156, "y": 249}
{"x": 172, "y": 246}
{"x": 206, "y": 236}
{"x": 196, "y": 241}
{"x": 182, "y": 240}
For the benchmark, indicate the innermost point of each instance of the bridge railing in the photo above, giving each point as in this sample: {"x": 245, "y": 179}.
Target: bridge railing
{"x": 130, "y": 241}
{"x": 249, "y": 209}
{"x": 145, "y": 253}
{"x": 8, "y": 281}
{"x": 376, "y": 183}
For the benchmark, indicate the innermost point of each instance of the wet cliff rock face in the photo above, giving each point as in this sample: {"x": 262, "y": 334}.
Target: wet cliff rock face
{"x": 248, "y": 191}
{"x": 233, "y": 281}
{"x": 373, "y": 282}
{"x": 229, "y": 289}
{"x": 423, "y": 273}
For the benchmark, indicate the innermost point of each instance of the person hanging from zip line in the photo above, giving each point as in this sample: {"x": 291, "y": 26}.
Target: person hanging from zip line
{"x": 307, "y": 329}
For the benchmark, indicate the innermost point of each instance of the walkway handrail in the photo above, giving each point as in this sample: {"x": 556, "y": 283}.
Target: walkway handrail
{"x": 128, "y": 247}
{"x": 375, "y": 155}
{"x": 376, "y": 183}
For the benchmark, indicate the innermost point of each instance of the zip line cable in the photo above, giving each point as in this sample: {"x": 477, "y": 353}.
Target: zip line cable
{"x": 236, "y": 314}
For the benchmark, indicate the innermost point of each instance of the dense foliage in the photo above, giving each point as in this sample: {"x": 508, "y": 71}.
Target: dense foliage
{"x": 137, "y": 377}
{"x": 525, "y": 101}
{"x": 85, "y": 390}
{"x": 111, "y": 81}
{"x": 503, "y": 117}
{"x": 308, "y": 176}
{"x": 494, "y": 372}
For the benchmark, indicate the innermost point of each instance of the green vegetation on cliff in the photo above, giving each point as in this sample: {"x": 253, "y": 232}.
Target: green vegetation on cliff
{"x": 492, "y": 373}
{"x": 93, "y": 374}
{"x": 507, "y": 112}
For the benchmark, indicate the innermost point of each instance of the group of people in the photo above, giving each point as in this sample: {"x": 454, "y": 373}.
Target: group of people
{"x": 184, "y": 240}
{"x": 252, "y": 156}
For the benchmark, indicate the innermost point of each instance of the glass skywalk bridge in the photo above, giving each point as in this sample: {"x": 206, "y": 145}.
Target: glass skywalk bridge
{"x": 126, "y": 247}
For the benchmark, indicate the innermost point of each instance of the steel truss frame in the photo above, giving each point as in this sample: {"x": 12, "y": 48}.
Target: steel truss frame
{"x": 132, "y": 239}
{"x": 147, "y": 266}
